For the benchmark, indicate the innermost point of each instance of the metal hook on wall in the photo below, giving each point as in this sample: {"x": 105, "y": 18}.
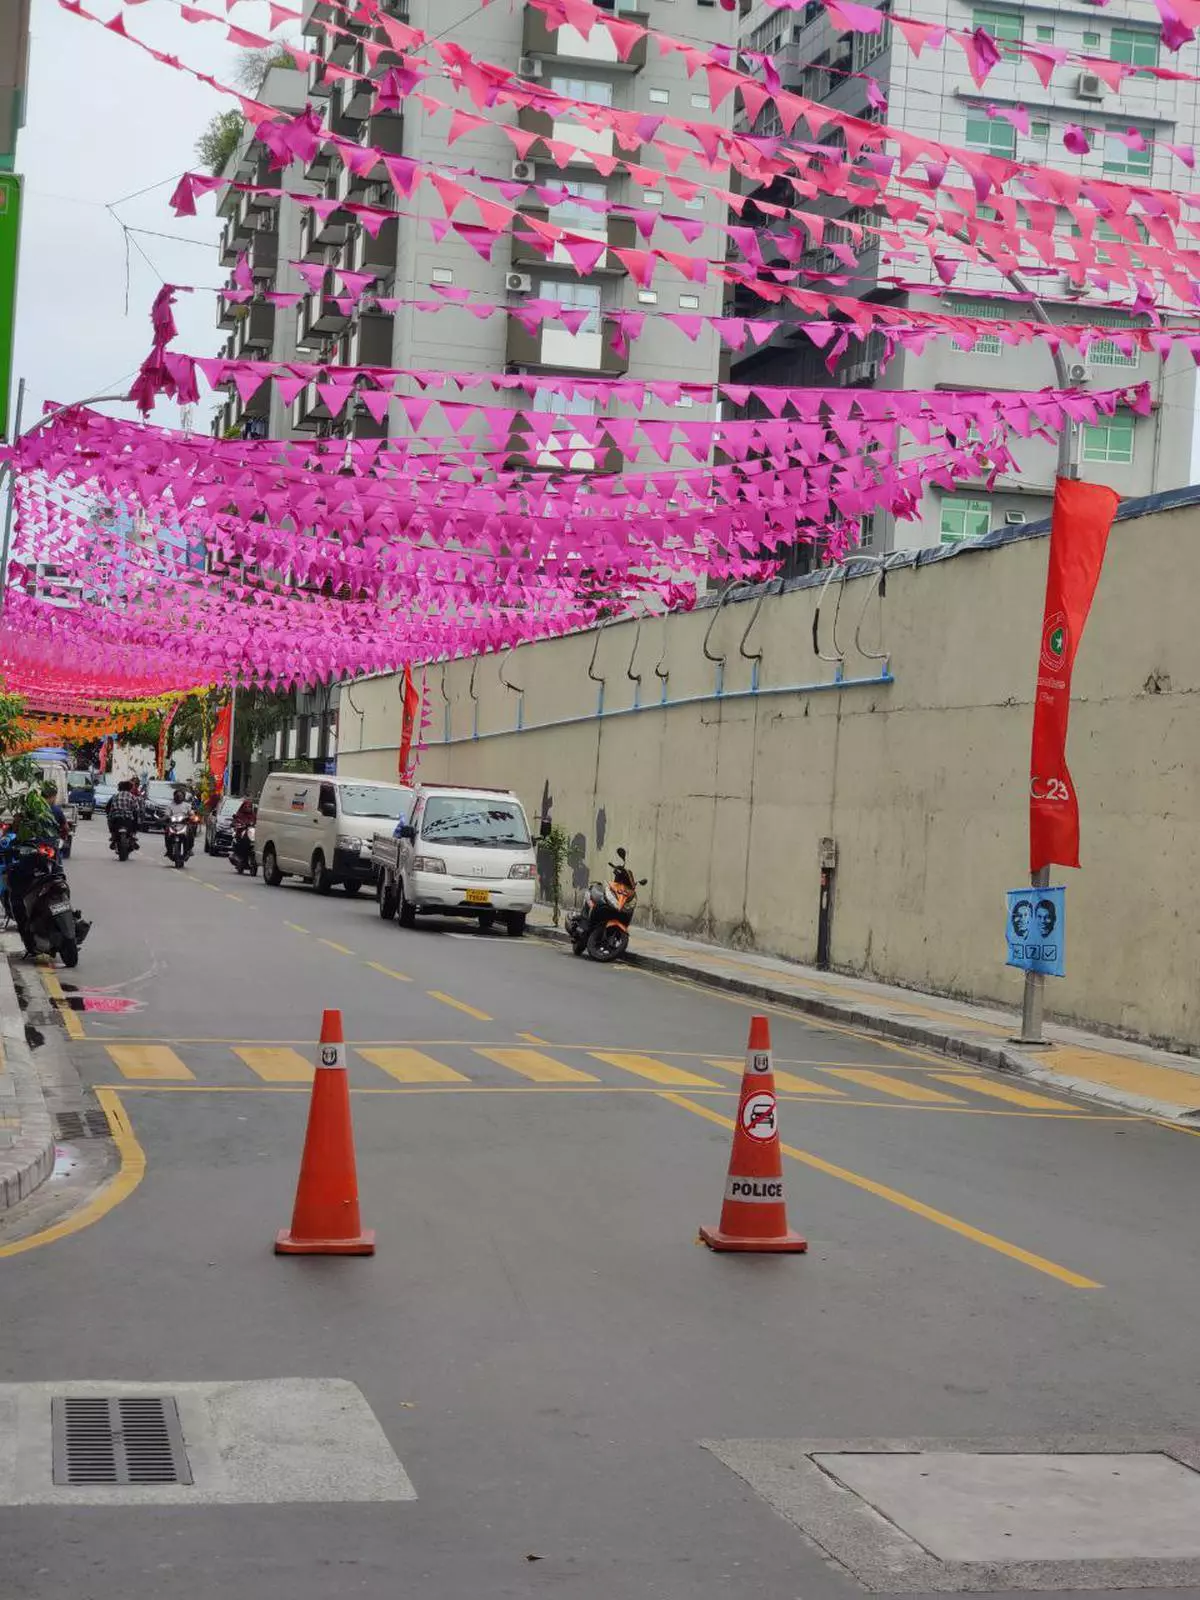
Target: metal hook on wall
{"x": 474, "y": 699}
{"x": 664, "y": 678}
{"x": 445, "y": 706}
{"x": 591, "y": 672}
{"x": 734, "y": 583}
{"x": 839, "y": 659}
{"x": 514, "y": 688}
{"x": 877, "y": 586}
{"x": 755, "y": 657}
{"x": 635, "y": 677}
{"x": 361, "y": 715}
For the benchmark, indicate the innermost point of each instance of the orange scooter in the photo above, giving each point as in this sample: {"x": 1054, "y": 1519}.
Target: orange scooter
{"x": 600, "y": 927}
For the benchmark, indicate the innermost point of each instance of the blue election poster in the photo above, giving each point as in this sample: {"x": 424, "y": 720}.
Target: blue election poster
{"x": 1037, "y": 930}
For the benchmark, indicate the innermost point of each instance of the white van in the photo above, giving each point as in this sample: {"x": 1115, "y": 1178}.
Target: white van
{"x": 321, "y": 828}
{"x": 466, "y": 853}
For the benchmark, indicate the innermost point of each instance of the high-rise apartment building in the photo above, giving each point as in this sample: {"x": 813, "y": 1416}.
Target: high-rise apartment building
{"x": 934, "y": 96}
{"x": 14, "y": 64}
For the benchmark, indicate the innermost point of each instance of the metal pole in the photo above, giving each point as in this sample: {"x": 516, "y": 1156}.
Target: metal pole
{"x": 232, "y": 730}
{"x": 1034, "y": 996}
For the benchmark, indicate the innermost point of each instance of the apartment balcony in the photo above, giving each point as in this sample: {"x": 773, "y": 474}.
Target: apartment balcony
{"x": 565, "y": 450}
{"x": 588, "y": 142}
{"x": 264, "y": 254}
{"x": 318, "y": 233}
{"x": 321, "y": 319}
{"x": 552, "y": 346}
{"x": 309, "y": 411}
{"x": 319, "y": 165}
{"x": 236, "y": 234}
{"x": 378, "y": 255}
{"x": 363, "y": 424}
{"x": 568, "y": 45}
{"x": 384, "y": 131}
{"x": 254, "y": 330}
{"x": 228, "y": 313}
{"x": 616, "y": 232}
{"x": 370, "y": 341}
{"x": 348, "y": 105}
{"x": 238, "y": 421}
{"x": 267, "y": 179}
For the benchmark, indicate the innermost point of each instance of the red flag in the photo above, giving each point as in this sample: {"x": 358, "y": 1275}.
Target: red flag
{"x": 164, "y": 729}
{"x": 218, "y": 750}
{"x": 412, "y": 704}
{"x": 103, "y": 761}
{"x": 1083, "y": 514}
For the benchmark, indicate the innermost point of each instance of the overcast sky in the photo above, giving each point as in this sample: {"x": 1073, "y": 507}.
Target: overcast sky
{"x": 103, "y": 121}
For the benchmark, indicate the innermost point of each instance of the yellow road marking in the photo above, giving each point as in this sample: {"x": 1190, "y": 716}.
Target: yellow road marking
{"x": 656, "y": 1071}
{"x": 277, "y": 1066}
{"x": 412, "y": 1066}
{"x": 1002, "y": 1091}
{"x": 295, "y": 927}
{"x": 119, "y": 1187}
{"x": 883, "y": 1191}
{"x": 229, "y": 896}
{"x": 885, "y": 1085}
{"x": 532, "y": 1038}
{"x": 147, "y": 1061}
{"x": 388, "y": 972}
{"x": 783, "y": 1080}
{"x": 459, "y": 1005}
{"x": 211, "y": 886}
{"x": 533, "y": 1064}
{"x": 71, "y": 1020}
{"x": 341, "y": 948}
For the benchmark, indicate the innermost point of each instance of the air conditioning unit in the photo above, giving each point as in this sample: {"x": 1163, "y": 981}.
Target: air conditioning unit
{"x": 519, "y": 283}
{"x": 529, "y": 67}
{"x": 1014, "y": 519}
{"x": 1090, "y": 86}
{"x": 524, "y": 172}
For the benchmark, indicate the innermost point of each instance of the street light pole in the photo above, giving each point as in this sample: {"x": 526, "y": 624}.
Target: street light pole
{"x": 7, "y": 466}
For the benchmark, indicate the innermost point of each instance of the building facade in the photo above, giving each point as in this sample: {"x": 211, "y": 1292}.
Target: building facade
{"x": 934, "y": 96}
{"x": 14, "y": 66}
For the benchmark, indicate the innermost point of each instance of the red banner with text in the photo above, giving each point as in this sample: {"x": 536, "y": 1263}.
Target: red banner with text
{"x": 218, "y": 749}
{"x": 408, "y": 725}
{"x": 1083, "y": 514}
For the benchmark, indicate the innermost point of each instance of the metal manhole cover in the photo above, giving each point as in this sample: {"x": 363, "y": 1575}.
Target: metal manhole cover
{"x": 72, "y": 1125}
{"x": 118, "y": 1440}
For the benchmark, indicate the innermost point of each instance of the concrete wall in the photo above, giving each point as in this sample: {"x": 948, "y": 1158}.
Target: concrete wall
{"x": 922, "y": 781}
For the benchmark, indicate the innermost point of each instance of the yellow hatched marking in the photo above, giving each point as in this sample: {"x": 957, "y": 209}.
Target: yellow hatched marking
{"x": 783, "y": 1080}
{"x": 340, "y": 948}
{"x": 536, "y": 1066}
{"x": 894, "y": 1086}
{"x": 275, "y": 1065}
{"x": 459, "y": 1005}
{"x": 1001, "y": 1091}
{"x": 657, "y": 1071}
{"x": 411, "y": 1066}
{"x": 147, "y": 1061}
{"x": 389, "y": 972}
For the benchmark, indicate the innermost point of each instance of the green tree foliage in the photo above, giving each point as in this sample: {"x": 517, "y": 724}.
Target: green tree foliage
{"x": 219, "y": 140}
{"x": 20, "y": 777}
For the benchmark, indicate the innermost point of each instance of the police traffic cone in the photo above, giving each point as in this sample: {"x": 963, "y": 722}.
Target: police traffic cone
{"x": 754, "y": 1216}
{"x": 325, "y": 1221}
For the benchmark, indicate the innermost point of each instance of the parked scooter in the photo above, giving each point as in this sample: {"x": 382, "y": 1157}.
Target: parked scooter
{"x": 242, "y": 852}
{"x": 180, "y": 837}
{"x": 47, "y": 922}
{"x": 600, "y": 927}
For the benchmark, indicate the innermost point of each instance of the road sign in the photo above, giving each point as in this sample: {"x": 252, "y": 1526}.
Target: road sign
{"x": 10, "y": 234}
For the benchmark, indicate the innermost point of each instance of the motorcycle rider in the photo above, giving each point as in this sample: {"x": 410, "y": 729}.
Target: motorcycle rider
{"x": 243, "y": 819}
{"x": 48, "y": 829}
{"x": 180, "y": 810}
{"x": 123, "y": 811}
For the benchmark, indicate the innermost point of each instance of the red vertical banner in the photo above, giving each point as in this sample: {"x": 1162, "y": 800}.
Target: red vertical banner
{"x": 1083, "y": 514}
{"x": 218, "y": 749}
{"x": 164, "y": 729}
{"x": 408, "y": 725}
{"x": 102, "y": 763}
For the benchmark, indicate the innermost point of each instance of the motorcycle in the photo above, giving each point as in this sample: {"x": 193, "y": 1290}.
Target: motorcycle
{"x": 599, "y": 928}
{"x": 51, "y": 926}
{"x": 123, "y": 840}
{"x": 180, "y": 837}
{"x": 242, "y": 852}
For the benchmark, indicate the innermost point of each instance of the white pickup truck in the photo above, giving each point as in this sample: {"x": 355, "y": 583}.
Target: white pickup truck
{"x": 462, "y": 853}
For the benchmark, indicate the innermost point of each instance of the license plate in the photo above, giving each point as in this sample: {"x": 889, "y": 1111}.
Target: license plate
{"x": 478, "y": 897}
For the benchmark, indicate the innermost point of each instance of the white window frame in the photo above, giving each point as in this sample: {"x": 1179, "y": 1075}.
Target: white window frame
{"x": 970, "y": 505}
{"x": 1098, "y": 442}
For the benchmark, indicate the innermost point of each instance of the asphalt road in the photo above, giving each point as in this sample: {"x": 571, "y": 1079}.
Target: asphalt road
{"x": 539, "y": 1336}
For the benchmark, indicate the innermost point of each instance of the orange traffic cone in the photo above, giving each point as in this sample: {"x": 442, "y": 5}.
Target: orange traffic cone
{"x": 754, "y": 1216}
{"x": 325, "y": 1221}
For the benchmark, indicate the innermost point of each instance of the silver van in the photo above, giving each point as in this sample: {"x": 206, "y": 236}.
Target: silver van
{"x": 321, "y": 828}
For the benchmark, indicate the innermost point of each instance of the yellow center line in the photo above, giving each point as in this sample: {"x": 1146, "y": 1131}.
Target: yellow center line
{"x": 459, "y": 1005}
{"x": 532, "y": 1038}
{"x": 230, "y": 896}
{"x": 340, "y": 948}
{"x": 214, "y": 887}
{"x": 54, "y": 989}
{"x": 295, "y": 927}
{"x": 119, "y": 1187}
{"x": 389, "y": 972}
{"x": 883, "y": 1191}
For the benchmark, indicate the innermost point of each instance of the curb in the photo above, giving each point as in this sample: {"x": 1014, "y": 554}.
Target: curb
{"x": 30, "y": 1159}
{"x": 999, "y": 1056}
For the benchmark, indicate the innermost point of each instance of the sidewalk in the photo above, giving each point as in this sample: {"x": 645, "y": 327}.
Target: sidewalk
{"x": 1131, "y": 1076}
{"x": 26, "y": 1129}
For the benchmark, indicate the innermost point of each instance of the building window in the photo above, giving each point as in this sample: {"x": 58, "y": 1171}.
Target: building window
{"x": 694, "y": 202}
{"x": 964, "y": 517}
{"x": 1044, "y": 33}
{"x": 1091, "y": 41}
{"x": 574, "y": 213}
{"x": 442, "y": 275}
{"x": 1110, "y": 439}
{"x": 685, "y": 400}
{"x": 652, "y": 197}
{"x": 689, "y": 302}
{"x": 866, "y": 530}
{"x": 659, "y": 97}
{"x": 993, "y": 134}
{"x": 867, "y": 47}
{"x": 562, "y": 405}
{"x": 701, "y": 102}
{"x": 1107, "y": 353}
{"x": 592, "y": 90}
{"x": 1039, "y": 130}
{"x": 1000, "y": 24}
{"x": 1118, "y": 157}
{"x": 1137, "y": 46}
{"x": 647, "y": 297}
{"x": 568, "y": 293}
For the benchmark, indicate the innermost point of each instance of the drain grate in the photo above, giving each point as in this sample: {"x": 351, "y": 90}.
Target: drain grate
{"x": 72, "y": 1125}
{"x": 130, "y": 1439}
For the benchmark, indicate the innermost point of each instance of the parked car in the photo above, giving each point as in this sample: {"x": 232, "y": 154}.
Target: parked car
{"x": 157, "y": 801}
{"x": 218, "y": 826}
{"x": 462, "y": 853}
{"x": 103, "y": 793}
{"x": 321, "y": 828}
{"x": 81, "y": 792}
